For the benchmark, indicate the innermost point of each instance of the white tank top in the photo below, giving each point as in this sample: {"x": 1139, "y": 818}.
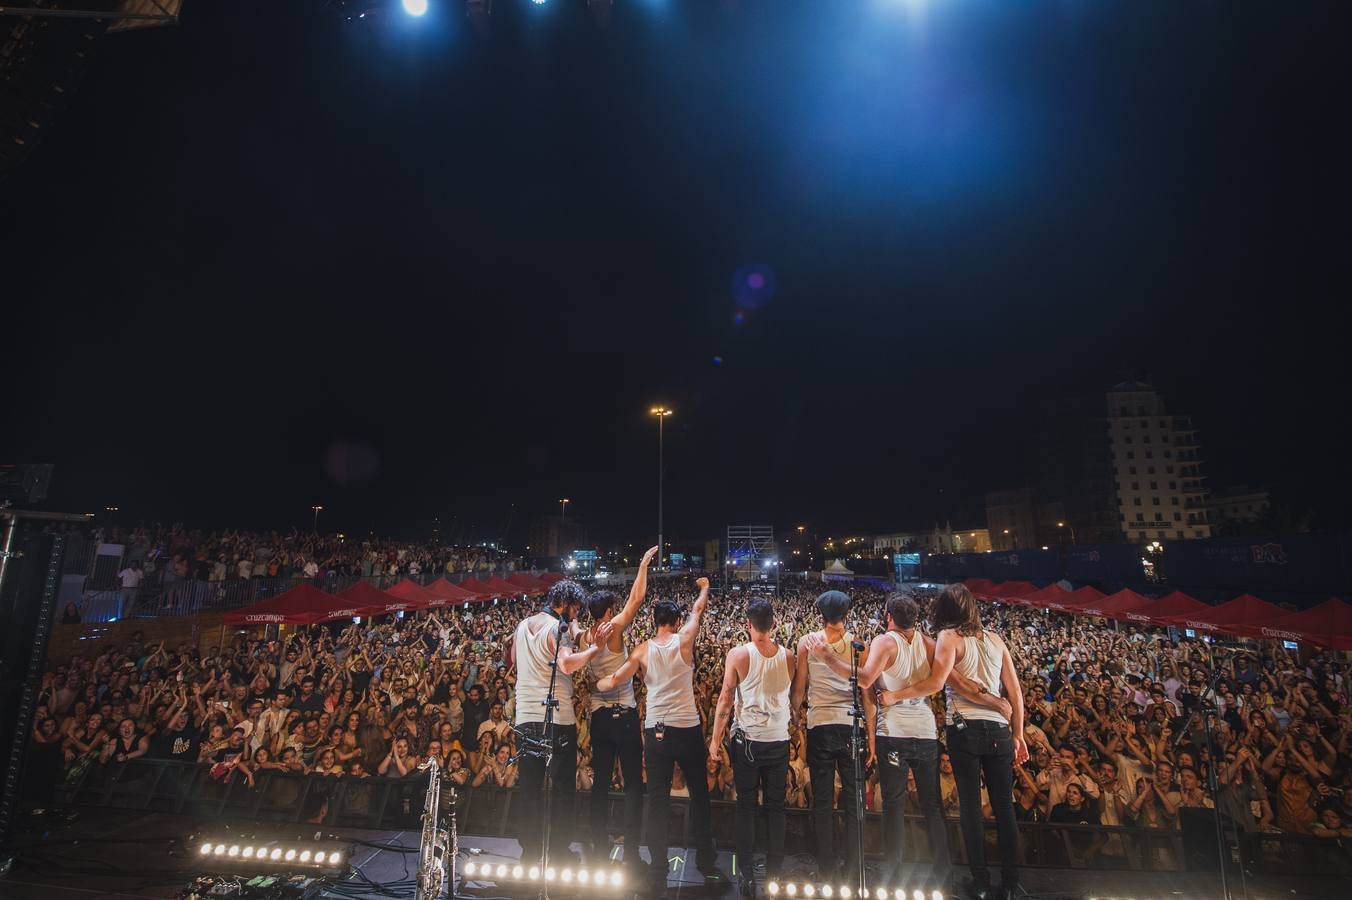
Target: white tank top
{"x": 671, "y": 691}
{"x": 980, "y": 662}
{"x": 829, "y": 698}
{"x": 604, "y": 663}
{"x": 910, "y": 718}
{"x": 533, "y": 655}
{"x": 762, "y": 708}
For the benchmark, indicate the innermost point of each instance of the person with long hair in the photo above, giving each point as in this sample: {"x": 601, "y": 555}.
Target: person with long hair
{"x": 981, "y": 739}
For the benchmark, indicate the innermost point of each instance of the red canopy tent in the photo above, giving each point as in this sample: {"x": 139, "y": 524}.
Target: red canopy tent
{"x": 1163, "y": 610}
{"x": 364, "y": 600}
{"x": 479, "y": 588}
{"x": 1044, "y": 598}
{"x": 549, "y": 579}
{"x": 1114, "y": 605}
{"x": 1009, "y": 590}
{"x": 526, "y": 582}
{"x": 1243, "y": 610}
{"x": 302, "y": 605}
{"x": 980, "y": 586}
{"x": 1329, "y": 625}
{"x": 450, "y": 593}
{"x": 1079, "y": 598}
{"x": 417, "y": 596}
{"x": 503, "y": 588}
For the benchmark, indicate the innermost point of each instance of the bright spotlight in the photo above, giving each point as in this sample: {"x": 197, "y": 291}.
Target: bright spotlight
{"x": 321, "y": 856}
{"x": 233, "y": 851}
{"x": 415, "y": 7}
{"x": 917, "y": 894}
{"x": 220, "y": 850}
{"x": 534, "y": 873}
{"x": 501, "y": 871}
{"x": 516, "y": 872}
{"x": 791, "y": 889}
{"x": 549, "y": 874}
{"x": 290, "y": 855}
{"x": 936, "y": 895}
{"x": 772, "y": 888}
{"x": 809, "y": 891}
{"x": 206, "y": 849}
{"x": 616, "y": 878}
{"x": 305, "y": 856}
{"x": 583, "y": 876}
{"x": 248, "y": 853}
{"x": 538, "y": 2}
{"x": 567, "y": 875}
{"x": 827, "y": 891}
{"x": 844, "y": 892}
{"x": 469, "y": 869}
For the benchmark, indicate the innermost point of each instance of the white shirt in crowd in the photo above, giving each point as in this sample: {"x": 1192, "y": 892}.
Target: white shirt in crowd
{"x": 131, "y": 578}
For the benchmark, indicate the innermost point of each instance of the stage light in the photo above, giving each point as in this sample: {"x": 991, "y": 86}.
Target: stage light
{"x": 321, "y": 856}
{"x": 248, "y": 853}
{"x": 233, "y": 851}
{"x": 501, "y": 871}
{"x": 305, "y": 856}
{"x": 469, "y": 869}
{"x": 844, "y": 892}
{"x": 772, "y": 888}
{"x": 583, "y": 876}
{"x": 616, "y": 878}
{"x": 219, "y": 850}
{"x": 415, "y": 8}
{"x": 791, "y": 889}
{"x": 936, "y": 895}
{"x": 566, "y": 876}
{"x": 516, "y": 871}
{"x": 289, "y": 855}
{"x": 827, "y": 891}
{"x": 534, "y": 873}
{"x": 917, "y": 894}
{"x": 809, "y": 891}
{"x": 549, "y": 874}
{"x": 276, "y": 853}
{"x": 863, "y": 892}
{"x": 538, "y": 2}
{"x": 206, "y": 849}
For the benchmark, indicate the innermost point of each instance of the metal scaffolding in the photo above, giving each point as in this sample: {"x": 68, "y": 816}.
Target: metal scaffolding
{"x": 751, "y": 556}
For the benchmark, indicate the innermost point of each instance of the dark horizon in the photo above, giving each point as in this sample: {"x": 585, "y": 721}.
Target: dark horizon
{"x": 405, "y": 272}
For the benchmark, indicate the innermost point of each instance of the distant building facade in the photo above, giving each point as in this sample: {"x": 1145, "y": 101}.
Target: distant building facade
{"x": 939, "y": 540}
{"x": 556, "y": 536}
{"x": 1157, "y": 467}
{"x": 1237, "y": 505}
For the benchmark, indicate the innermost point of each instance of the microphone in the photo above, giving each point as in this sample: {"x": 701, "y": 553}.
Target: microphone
{"x": 857, "y": 646}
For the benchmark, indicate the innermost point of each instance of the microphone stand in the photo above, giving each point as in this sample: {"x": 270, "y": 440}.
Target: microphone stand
{"x": 856, "y": 750}
{"x": 1221, "y": 847}
{"x": 550, "y": 703}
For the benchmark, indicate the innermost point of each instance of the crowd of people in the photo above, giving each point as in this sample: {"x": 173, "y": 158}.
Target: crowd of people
{"x": 1115, "y": 717}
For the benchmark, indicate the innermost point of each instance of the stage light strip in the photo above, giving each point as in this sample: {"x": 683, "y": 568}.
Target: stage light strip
{"x": 815, "y": 891}
{"x": 583, "y": 877}
{"x": 268, "y": 853}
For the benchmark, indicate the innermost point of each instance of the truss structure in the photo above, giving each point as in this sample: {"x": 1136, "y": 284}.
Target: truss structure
{"x": 751, "y": 556}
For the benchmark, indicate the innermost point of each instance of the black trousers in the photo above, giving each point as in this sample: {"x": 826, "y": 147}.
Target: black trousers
{"x": 897, "y": 756}
{"x": 986, "y": 748}
{"x": 563, "y": 821}
{"x": 615, "y": 733}
{"x": 762, "y": 765}
{"x": 682, "y": 747}
{"x": 828, "y": 754}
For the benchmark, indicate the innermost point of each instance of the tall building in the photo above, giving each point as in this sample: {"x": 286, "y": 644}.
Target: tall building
{"x": 1157, "y": 467}
{"x": 1236, "y": 508}
{"x": 556, "y": 536}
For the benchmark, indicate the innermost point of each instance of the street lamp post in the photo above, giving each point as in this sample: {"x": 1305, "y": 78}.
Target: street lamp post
{"x": 661, "y": 412}
{"x": 563, "y": 508}
{"x": 1072, "y": 531}
{"x": 317, "y": 510}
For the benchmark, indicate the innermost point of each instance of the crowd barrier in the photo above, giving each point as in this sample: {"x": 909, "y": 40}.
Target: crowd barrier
{"x": 397, "y": 803}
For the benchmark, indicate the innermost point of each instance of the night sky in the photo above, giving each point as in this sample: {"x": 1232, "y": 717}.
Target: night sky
{"x": 269, "y": 259}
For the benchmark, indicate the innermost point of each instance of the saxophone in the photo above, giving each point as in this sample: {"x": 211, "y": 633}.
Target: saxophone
{"x": 437, "y": 844}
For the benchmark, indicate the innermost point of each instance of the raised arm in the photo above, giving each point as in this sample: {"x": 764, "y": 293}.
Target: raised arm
{"x": 636, "y": 593}
{"x": 691, "y": 628}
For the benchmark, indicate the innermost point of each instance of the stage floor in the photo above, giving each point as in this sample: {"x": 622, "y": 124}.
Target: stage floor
{"x": 128, "y": 856}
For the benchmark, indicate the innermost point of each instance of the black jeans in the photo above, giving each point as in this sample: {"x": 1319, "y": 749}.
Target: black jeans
{"x": 762, "y": 765}
{"x": 920, "y": 755}
{"x": 615, "y": 733}
{"x": 828, "y": 753}
{"x": 682, "y": 747}
{"x": 986, "y": 747}
{"x": 561, "y": 813}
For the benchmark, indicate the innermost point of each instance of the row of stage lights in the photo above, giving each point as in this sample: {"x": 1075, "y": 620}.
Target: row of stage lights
{"x": 845, "y": 892}
{"x": 327, "y": 858}
{"x": 502, "y": 871}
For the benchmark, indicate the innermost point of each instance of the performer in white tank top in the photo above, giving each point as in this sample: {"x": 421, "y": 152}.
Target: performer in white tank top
{"x": 821, "y": 656}
{"x": 985, "y": 730}
{"x": 540, "y": 643}
{"x": 757, "y": 681}
{"x": 615, "y": 732}
{"x": 672, "y": 731}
